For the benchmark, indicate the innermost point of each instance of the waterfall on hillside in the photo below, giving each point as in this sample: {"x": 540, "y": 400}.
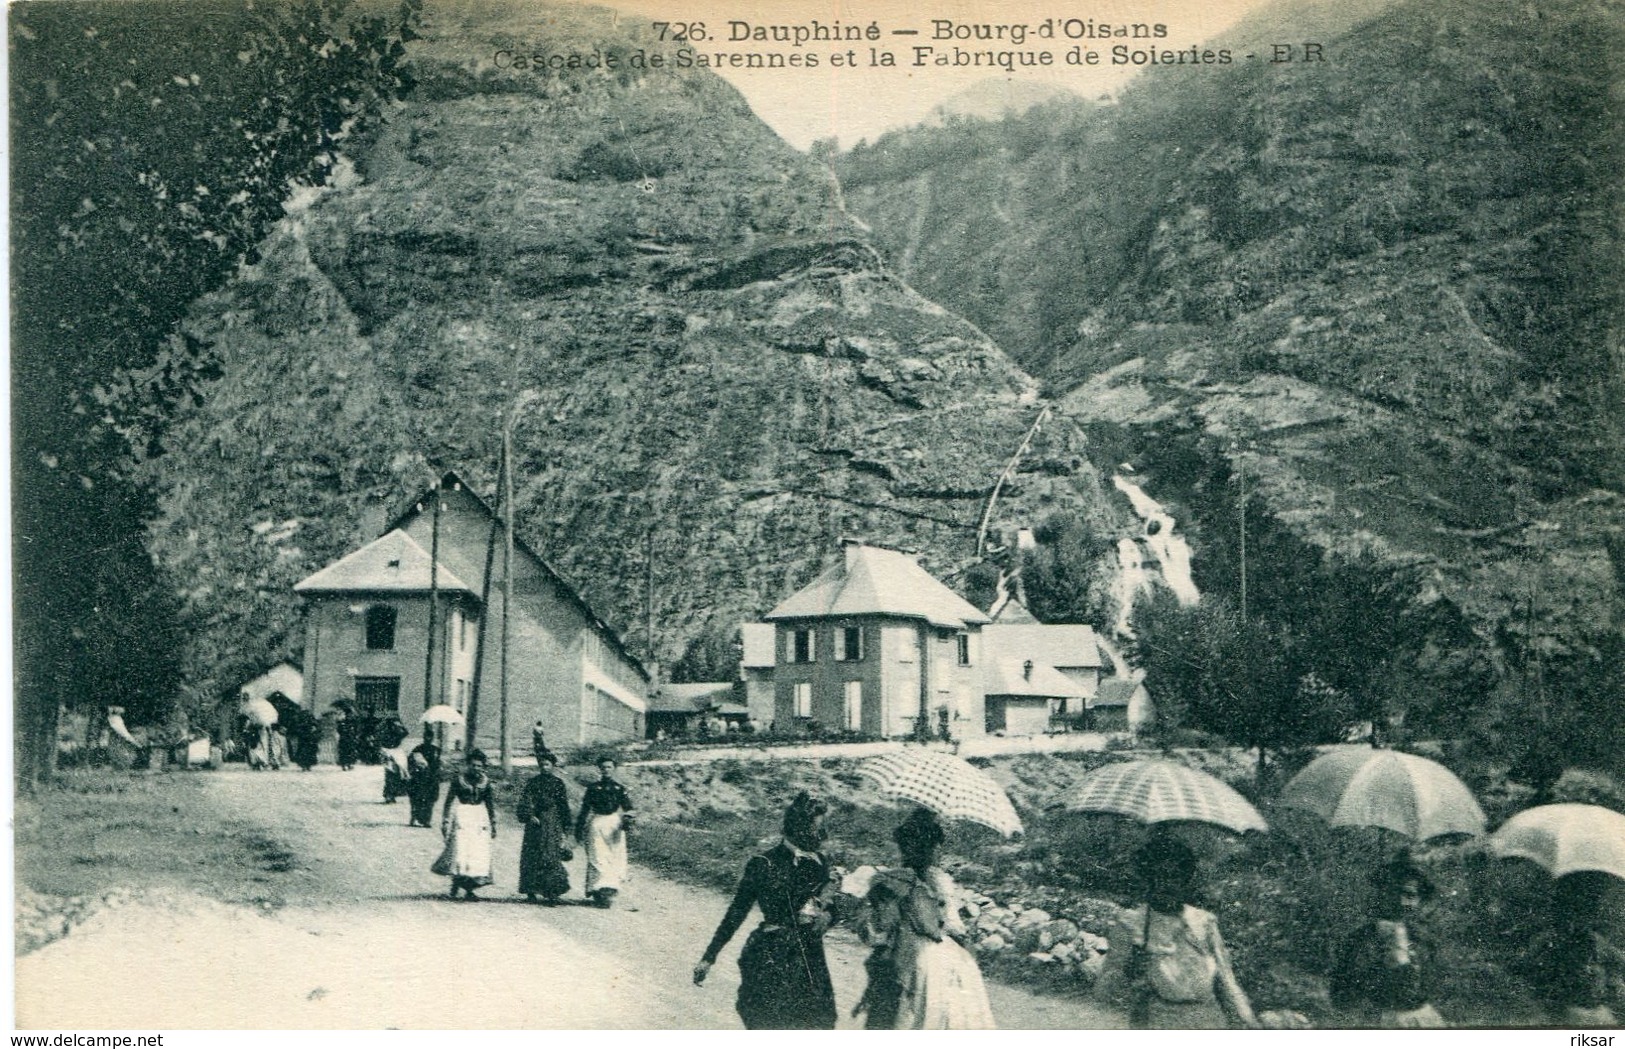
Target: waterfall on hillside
{"x": 1172, "y": 554}
{"x": 1132, "y": 581}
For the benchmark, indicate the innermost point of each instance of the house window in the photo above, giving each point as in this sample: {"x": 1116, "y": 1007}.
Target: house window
{"x": 804, "y": 699}
{"x": 380, "y": 628}
{"x": 854, "y": 705}
{"x": 803, "y": 647}
{"x": 850, "y": 644}
{"x": 963, "y": 642}
{"x": 377, "y": 696}
{"x": 463, "y": 691}
{"x": 462, "y": 631}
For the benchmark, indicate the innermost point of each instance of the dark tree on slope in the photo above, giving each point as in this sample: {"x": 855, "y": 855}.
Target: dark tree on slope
{"x": 1247, "y": 680}
{"x": 153, "y": 146}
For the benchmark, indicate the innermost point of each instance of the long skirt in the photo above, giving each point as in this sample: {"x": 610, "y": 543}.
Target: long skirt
{"x": 467, "y": 856}
{"x": 395, "y": 776}
{"x": 942, "y": 988}
{"x": 423, "y": 790}
{"x": 606, "y": 852}
{"x": 541, "y": 860}
{"x": 784, "y": 982}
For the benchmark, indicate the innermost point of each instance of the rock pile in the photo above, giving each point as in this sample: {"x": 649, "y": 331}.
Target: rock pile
{"x": 1044, "y": 939}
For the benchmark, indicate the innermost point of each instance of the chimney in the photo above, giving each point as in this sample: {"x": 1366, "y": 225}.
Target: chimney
{"x": 850, "y": 548}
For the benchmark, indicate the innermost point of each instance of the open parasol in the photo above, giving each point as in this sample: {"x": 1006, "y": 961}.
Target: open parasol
{"x": 947, "y": 785}
{"x": 1565, "y": 839}
{"x": 1363, "y": 787}
{"x": 441, "y": 714}
{"x": 1158, "y": 791}
{"x": 258, "y": 711}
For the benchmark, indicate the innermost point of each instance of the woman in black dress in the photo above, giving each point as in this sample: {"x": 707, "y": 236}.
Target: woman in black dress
{"x": 544, "y": 812}
{"x": 423, "y": 779}
{"x": 1384, "y": 969}
{"x": 783, "y": 976}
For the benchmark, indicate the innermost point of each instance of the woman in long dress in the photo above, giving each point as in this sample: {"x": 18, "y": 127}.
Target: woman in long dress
{"x": 606, "y": 813}
{"x": 921, "y": 978}
{"x": 1168, "y": 965}
{"x": 423, "y": 779}
{"x": 469, "y": 824}
{"x": 544, "y": 812}
{"x": 783, "y": 977}
{"x": 1384, "y": 968}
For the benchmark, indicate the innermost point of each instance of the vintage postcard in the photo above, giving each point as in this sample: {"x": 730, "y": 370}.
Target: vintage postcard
{"x": 948, "y": 514}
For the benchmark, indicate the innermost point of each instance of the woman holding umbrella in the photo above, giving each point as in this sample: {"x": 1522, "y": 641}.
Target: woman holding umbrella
{"x": 921, "y": 978}
{"x": 783, "y": 978}
{"x": 469, "y": 823}
{"x": 1384, "y": 968}
{"x": 1168, "y": 964}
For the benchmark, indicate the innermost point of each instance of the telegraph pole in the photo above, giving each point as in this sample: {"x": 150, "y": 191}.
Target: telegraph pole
{"x": 507, "y": 583}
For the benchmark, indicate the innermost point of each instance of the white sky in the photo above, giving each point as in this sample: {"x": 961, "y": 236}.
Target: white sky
{"x": 804, "y": 105}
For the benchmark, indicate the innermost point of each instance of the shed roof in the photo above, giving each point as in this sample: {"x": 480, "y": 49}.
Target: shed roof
{"x": 1115, "y": 692}
{"x": 691, "y": 697}
{"x": 872, "y": 580}
{"x": 394, "y": 562}
{"x": 1067, "y": 645}
{"x": 1008, "y": 677}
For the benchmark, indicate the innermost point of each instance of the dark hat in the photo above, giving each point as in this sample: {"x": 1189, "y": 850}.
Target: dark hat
{"x": 1388, "y": 877}
{"x": 1165, "y": 857}
{"x": 922, "y": 829}
{"x": 801, "y": 812}
{"x": 479, "y": 756}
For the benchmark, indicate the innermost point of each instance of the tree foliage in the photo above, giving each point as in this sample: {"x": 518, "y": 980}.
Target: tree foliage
{"x": 153, "y": 145}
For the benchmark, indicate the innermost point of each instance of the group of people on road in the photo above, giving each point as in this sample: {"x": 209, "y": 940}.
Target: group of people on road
{"x": 1167, "y": 966}
{"x": 920, "y": 975}
{"x": 468, "y": 825}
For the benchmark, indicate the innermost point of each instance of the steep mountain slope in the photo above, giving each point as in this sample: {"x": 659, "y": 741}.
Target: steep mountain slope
{"x": 703, "y": 359}
{"x": 1380, "y": 297}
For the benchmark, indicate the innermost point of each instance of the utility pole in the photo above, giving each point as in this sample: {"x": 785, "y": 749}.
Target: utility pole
{"x": 649, "y": 607}
{"x": 1241, "y": 476}
{"x": 429, "y": 699}
{"x": 507, "y": 585}
{"x": 485, "y": 617}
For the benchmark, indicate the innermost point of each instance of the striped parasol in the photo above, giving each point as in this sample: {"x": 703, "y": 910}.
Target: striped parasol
{"x": 947, "y": 785}
{"x": 1157, "y": 791}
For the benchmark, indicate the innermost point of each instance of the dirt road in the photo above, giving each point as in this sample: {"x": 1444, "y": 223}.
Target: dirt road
{"x": 369, "y": 940}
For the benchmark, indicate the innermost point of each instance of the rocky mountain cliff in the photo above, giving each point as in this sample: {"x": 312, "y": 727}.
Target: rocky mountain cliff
{"x": 705, "y": 361}
{"x": 1379, "y": 298}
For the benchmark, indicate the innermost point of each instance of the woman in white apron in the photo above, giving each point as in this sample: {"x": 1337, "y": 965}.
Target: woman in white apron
{"x": 606, "y": 814}
{"x": 469, "y": 824}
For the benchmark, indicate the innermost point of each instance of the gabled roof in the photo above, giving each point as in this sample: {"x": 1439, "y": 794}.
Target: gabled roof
{"x": 1008, "y": 677}
{"x": 1066, "y": 645}
{"x": 392, "y": 563}
{"x": 451, "y": 480}
{"x": 757, "y": 641}
{"x": 875, "y": 581}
